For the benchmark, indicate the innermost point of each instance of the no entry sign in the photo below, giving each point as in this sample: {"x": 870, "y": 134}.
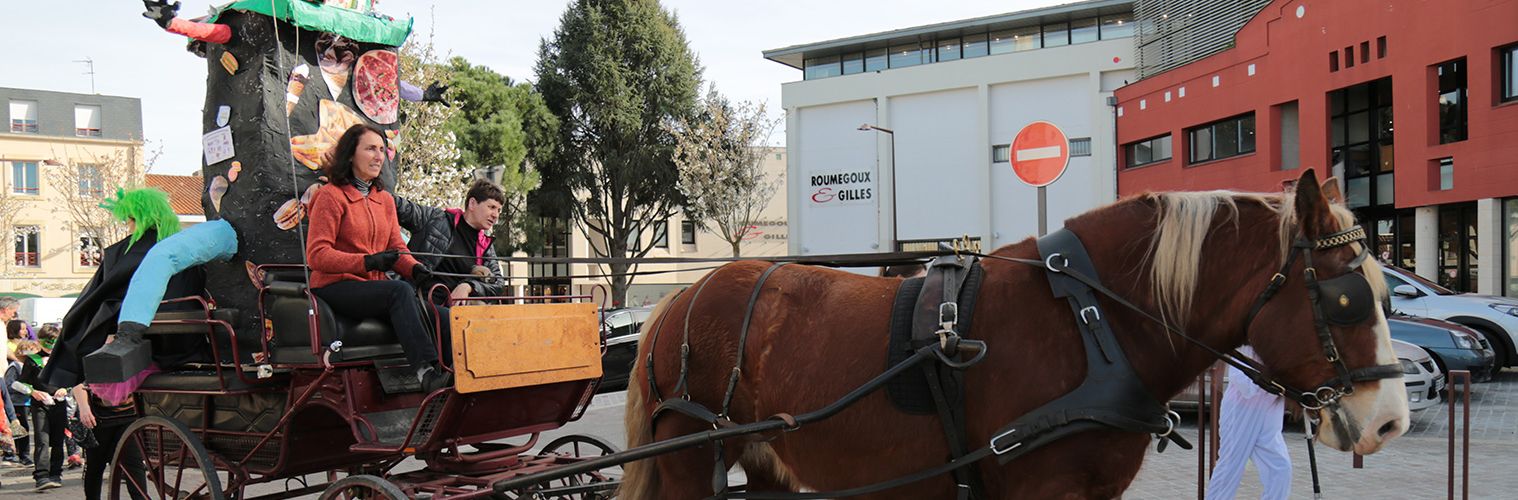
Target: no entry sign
{"x": 1040, "y": 153}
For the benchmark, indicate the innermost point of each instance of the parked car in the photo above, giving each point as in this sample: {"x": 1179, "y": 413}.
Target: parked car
{"x": 620, "y": 328}
{"x": 1494, "y": 318}
{"x": 1423, "y": 379}
{"x": 1425, "y": 384}
{"x": 1452, "y": 346}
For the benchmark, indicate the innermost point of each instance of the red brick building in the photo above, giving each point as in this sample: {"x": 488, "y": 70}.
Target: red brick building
{"x": 1412, "y": 104}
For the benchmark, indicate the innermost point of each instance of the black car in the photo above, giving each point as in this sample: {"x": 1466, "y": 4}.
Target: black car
{"x": 621, "y": 328}
{"x": 1453, "y": 347}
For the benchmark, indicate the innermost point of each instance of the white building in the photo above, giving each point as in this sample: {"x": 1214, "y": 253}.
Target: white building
{"x": 952, "y": 95}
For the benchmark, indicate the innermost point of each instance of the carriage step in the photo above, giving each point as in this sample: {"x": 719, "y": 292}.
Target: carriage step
{"x": 391, "y": 426}
{"x": 396, "y": 376}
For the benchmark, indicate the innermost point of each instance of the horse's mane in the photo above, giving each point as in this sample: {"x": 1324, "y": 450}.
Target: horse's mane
{"x": 1183, "y": 221}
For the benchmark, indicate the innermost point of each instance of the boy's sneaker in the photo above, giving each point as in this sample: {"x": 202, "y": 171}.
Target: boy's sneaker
{"x": 55, "y": 482}
{"x": 43, "y": 485}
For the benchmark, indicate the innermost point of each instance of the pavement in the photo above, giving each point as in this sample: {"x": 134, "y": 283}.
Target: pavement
{"x": 1413, "y": 467}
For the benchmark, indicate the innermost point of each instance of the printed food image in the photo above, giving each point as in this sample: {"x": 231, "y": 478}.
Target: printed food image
{"x": 289, "y": 215}
{"x": 375, "y": 86}
{"x": 336, "y": 118}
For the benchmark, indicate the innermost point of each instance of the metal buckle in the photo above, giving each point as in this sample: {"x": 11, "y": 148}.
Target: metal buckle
{"x": 997, "y": 437}
{"x": 1097, "y": 314}
{"x": 1049, "y": 262}
{"x": 948, "y": 315}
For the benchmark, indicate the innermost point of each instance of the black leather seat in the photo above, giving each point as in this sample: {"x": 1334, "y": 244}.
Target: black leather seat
{"x": 246, "y": 344}
{"x": 285, "y": 309}
{"x": 205, "y": 380}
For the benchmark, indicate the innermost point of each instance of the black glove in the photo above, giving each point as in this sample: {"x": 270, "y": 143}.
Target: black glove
{"x": 161, "y": 11}
{"x": 382, "y": 261}
{"x": 434, "y": 93}
{"x": 420, "y": 274}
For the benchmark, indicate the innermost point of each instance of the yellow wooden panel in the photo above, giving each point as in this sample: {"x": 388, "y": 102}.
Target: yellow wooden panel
{"x": 518, "y": 345}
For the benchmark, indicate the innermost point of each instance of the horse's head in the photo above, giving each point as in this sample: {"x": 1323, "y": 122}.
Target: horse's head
{"x": 1322, "y": 335}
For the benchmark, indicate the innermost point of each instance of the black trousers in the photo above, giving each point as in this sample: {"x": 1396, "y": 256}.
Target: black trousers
{"x": 48, "y": 423}
{"x": 24, "y": 416}
{"x": 385, "y": 299}
{"x": 98, "y": 460}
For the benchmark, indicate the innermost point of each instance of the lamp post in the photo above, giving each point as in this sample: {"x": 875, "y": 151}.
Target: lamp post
{"x": 895, "y": 234}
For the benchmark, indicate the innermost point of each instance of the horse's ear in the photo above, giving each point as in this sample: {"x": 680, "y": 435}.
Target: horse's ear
{"x": 1311, "y": 206}
{"x": 1330, "y": 188}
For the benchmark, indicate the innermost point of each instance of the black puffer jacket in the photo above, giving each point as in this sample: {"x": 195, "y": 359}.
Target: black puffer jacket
{"x": 432, "y": 231}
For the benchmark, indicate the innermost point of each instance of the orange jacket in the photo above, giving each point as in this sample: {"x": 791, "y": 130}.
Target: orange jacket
{"x": 346, "y": 226}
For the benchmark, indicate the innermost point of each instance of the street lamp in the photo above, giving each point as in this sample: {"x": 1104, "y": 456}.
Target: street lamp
{"x": 865, "y": 127}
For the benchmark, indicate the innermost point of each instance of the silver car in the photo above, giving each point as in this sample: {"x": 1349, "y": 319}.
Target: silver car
{"x": 1495, "y": 318}
{"x": 1425, "y": 383}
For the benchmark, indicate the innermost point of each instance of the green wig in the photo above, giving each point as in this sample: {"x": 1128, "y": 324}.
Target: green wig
{"x": 148, "y": 207}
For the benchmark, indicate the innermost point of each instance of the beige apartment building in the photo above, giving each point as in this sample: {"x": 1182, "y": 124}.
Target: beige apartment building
{"x": 59, "y": 151}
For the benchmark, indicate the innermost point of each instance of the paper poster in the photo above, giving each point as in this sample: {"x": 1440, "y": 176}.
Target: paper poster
{"x": 218, "y": 145}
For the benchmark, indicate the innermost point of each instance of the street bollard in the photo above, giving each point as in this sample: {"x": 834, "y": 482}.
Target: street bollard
{"x": 1465, "y": 428}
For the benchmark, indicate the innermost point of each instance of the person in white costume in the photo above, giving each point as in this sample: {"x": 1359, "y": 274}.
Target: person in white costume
{"x": 1250, "y": 429}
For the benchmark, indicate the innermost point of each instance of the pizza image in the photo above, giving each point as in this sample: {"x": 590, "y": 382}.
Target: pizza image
{"x": 376, "y": 85}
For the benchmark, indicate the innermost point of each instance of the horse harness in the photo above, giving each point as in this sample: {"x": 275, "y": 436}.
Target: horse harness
{"x": 1110, "y": 397}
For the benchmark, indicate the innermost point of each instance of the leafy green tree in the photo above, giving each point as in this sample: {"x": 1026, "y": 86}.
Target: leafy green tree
{"x": 720, "y": 156}
{"x": 615, "y": 72}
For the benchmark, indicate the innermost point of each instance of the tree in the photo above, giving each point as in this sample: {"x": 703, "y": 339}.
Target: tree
{"x": 500, "y": 124}
{"x": 86, "y": 180}
{"x": 429, "y": 170}
{"x": 615, "y": 73}
{"x": 720, "y": 154}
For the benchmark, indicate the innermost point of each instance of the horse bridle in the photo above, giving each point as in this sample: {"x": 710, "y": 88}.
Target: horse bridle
{"x": 1345, "y": 300}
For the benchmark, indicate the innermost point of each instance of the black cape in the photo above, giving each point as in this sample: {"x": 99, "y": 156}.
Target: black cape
{"x": 93, "y": 316}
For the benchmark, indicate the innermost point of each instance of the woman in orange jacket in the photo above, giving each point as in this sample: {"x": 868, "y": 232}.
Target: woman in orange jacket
{"x": 354, "y": 240}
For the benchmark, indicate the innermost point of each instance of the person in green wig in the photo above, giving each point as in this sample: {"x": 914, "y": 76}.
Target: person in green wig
{"x": 93, "y": 318}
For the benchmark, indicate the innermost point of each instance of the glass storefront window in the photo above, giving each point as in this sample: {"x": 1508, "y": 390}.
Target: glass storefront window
{"x": 975, "y": 46}
{"x": 1056, "y": 34}
{"x": 822, "y": 67}
{"x": 1510, "y": 247}
{"x": 948, "y": 50}
{"x": 906, "y": 55}
{"x": 1083, "y": 30}
{"x": 875, "y": 59}
{"x": 853, "y": 63}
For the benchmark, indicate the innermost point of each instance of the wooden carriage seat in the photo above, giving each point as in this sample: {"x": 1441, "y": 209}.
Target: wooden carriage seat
{"x": 285, "y": 310}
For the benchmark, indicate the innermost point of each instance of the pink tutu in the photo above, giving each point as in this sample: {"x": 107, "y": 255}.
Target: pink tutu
{"x": 119, "y": 392}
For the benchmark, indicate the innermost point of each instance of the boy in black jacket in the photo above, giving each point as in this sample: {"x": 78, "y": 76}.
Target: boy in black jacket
{"x": 49, "y": 414}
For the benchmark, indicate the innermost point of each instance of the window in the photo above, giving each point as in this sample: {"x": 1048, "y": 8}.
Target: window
{"x": 1080, "y": 146}
{"x": 661, "y": 234}
{"x": 1289, "y": 132}
{"x": 906, "y": 55}
{"x": 24, "y": 177}
{"x": 1364, "y": 52}
{"x": 1446, "y": 174}
{"x": 1222, "y": 139}
{"x": 1001, "y": 153}
{"x": 1451, "y": 95}
{"x": 1361, "y": 142}
{"x": 1083, "y": 30}
{"x": 1349, "y": 57}
{"x": 1509, "y": 65}
{"x": 87, "y": 121}
{"x": 1148, "y": 151}
{"x": 975, "y": 46}
{"x": 1333, "y": 61}
{"x": 91, "y": 182}
{"x": 1510, "y": 211}
{"x": 1014, "y": 40}
{"x": 24, "y": 117}
{"x": 853, "y": 63}
{"x": 89, "y": 251}
{"x": 875, "y": 59}
{"x": 28, "y": 246}
{"x": 822, "y": 67}
{"x": 1117, "y": 26}
{"x": 687, "y": 232}
{"x": 949, "y": 50}
{"x": 1056, "y": 34}
{"x": 1381, "y": 47}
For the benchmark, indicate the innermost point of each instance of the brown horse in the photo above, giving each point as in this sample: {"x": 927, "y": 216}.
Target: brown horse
{"x": 816, "y": 333}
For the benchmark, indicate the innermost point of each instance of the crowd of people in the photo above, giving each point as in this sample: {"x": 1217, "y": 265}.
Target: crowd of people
{"x": 56, "y": 419}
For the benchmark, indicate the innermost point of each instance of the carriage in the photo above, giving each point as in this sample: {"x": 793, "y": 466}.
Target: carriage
{"x": 330, "y": 397}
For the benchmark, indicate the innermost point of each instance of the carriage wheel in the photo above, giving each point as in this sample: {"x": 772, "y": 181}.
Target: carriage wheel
{"x": 363, "y": 486}
{"x": 160, "y": 459}
{"x": 597, "y": 484}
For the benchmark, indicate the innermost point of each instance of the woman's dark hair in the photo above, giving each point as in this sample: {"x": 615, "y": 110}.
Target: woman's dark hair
{"x": 15, "y": 329}
{"x": 339, "y": 164}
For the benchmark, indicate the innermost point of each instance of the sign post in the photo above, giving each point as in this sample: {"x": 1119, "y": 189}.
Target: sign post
{"x": 1039, "y": 154}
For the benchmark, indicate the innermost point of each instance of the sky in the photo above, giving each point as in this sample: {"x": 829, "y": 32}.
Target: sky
{"x": 133, "y": 58}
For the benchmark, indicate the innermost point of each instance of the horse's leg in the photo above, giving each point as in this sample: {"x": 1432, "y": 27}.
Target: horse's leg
{"x": 687, "y": 474}
{"x": 1069, "y": 469}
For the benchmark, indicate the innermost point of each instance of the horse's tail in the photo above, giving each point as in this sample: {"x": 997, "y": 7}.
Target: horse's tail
{"x": 640, "y": 479}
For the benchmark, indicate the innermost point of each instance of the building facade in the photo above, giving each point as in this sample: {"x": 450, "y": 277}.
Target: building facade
{"x": 899, "y": 140}
{"x": 184, "y": 195}
{"x": 58, "y": 155}
{"x": 1412, "y": 105}
{"x": 676, "y": 237}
